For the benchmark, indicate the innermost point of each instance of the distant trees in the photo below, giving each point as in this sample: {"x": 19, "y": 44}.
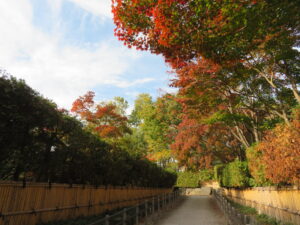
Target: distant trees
{"x": 104, "y": 119}
{"x": 157, "y": 121}
{"x": 40, "y": 142}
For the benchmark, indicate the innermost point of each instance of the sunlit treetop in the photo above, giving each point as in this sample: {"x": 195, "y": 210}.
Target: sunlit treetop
{"x": 221, "y": 30}
{"x": 104, "y": 119}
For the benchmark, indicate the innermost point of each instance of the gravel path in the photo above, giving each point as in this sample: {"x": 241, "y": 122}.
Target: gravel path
{"x": 194, "y": 210}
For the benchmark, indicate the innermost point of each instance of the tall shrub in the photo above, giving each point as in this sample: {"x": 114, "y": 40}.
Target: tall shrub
{"x": 218, "y": 170}
{"x": 235, "y": 174}
{"x": 281, "y": 152}
{"x": 256, "y": 166}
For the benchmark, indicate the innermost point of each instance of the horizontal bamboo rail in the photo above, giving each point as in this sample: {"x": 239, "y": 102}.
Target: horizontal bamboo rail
{"x": 146, "y": 212}
{"x": 34, "y": 203}
{"x": 232, "y": 215}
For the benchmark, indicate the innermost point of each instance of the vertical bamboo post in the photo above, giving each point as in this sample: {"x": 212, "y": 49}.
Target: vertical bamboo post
{"x": 246, "y": 219}
{"x": 158, "y": 204}
{"x": 174, "y": 196}
{"x": 107, "y": 220}
{"x": 153, "y": 206}
{"x": 146, "y": 211}
{"x": 124, "y": 217}
{"x": 167, "y": 201}
{"x": 137, "y": 215}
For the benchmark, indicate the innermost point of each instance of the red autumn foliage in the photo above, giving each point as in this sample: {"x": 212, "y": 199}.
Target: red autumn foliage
{"x": 281, "y": 152}
{"x": 83, "y": 104}
{"x": 102, "y": 118}
{"x": 197, "y": 145}
{"x": 201, "y": 90}
{"x": 183, "y": 30}
{"x": 187, "y": 147}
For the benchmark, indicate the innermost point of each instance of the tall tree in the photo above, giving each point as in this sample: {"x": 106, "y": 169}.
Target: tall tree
{"x": 220, "y": 30}
{"x": 157, "y": 121}
{"x": 104, "y": 119}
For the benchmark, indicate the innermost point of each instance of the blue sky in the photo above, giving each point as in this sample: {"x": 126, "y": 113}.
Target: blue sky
{"x": 64, "y": 48}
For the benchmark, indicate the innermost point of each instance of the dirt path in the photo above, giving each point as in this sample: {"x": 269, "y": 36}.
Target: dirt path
{"x": 194, "y": 210}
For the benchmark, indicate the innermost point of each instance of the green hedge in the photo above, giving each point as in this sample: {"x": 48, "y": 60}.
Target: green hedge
{"x": 256, "y": 167}
{"x": 46, "y": 144}
{"x": 193, "y": 179}
{"x": 234, "y": 174}
{"x": 218, "y": 169}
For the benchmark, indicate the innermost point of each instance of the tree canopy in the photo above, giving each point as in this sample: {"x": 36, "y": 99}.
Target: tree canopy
{"x": 236, "y": 65}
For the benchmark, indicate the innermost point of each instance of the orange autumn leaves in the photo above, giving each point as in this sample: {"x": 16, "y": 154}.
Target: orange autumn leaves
{"x": 103, "y": 118}
{"x": 281, "y": 152}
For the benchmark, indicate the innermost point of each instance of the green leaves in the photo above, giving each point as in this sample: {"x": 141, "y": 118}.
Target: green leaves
{"x": 235, "y": 174}
{"x": 193, "y": 179}
{"x": 227, "y": 118}
{"x": 156, "y": 121}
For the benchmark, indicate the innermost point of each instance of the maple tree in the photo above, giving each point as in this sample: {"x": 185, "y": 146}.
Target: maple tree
{"x": 224, "y": 31}
{"x": 103, "y": 119}
{"x": 198, "y": 145}
{"x": 260, "y": 36}
{"x": 240, "y": 104}
{"x": 281, "y": 152}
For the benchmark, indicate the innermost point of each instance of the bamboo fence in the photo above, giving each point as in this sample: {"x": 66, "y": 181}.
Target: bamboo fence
{"x": 41, "y": 202}
{"x": 280, "y": 203}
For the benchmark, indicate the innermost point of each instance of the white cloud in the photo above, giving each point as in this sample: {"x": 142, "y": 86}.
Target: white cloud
{"x": 125, "y": 84}
{"x": 59, "y": 72}
{"x": 101, "y": 8}
{"x": 133, "y": 94}
{"x": 55, "y": 6}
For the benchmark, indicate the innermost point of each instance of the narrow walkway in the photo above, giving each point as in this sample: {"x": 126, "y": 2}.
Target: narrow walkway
{"x": 194, "y": 210}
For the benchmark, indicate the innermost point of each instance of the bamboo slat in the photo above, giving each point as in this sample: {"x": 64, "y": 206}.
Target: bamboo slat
{"x": 280, "y": 203}
{"x": 41, "y": 202}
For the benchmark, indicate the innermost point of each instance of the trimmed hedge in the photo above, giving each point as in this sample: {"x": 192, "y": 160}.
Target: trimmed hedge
{"x": 46, "y": 144}
{"x": 234, "y": 174}
{"x": 193, "y": 179}
{"x": 218, "y": 169}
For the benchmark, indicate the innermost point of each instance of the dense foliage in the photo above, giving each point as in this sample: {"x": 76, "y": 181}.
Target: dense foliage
{"x": 193, "y": 179}
{"x": 104, "y": 119}
{"x": 237, "y": 70}
{"x": 42, "y": 143}
{"x": 218, "y": 169}
{"x": 281, "y": 152}
{"x": 237, "y": 67}
{"x": 157, "y": 121}
{"x": 235, "y": 174}
{"x": 256, "y": 167}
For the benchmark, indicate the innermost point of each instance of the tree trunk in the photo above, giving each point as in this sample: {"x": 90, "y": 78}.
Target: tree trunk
{"x": 295, "y": 92}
